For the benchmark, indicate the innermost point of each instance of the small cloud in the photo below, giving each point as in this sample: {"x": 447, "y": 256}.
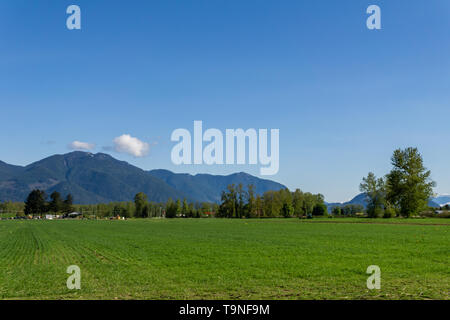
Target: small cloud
{"x": 131, "y": 145}
{"x": 78, "y": 145}
{"x": 49, "y": 142}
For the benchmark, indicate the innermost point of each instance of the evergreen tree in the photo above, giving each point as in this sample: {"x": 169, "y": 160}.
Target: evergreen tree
{"x": 35, "y": 203}
{"x": 68, "y": 204}
{"x": 56, "y": 204}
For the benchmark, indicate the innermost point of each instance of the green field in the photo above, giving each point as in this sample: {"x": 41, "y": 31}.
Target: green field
{"x": 225, "y": 259}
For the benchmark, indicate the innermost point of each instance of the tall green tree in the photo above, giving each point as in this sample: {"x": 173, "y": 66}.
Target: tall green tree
{"x": 191, "y": 210}
{"x": 68, "y": 204}
{"x": 185, "y": 208}
{"x": 140, "y": 202}
{"x": 228, "y": 207}
{"x": 56, "y": 203}
{"x": 375, "y": 189}
{"x": 178, "y": 207}
{"x": 171, "y": 210}
{"x": 287, "y": 210}
{"x": 251, "y": 202}
{"x": 409, "y": 185}
{"x": 259, "y": 206}
{"x": 309, "y": 201}
{"x": 241, "y": 201}
{"x": 35, "y": 203}
{"x": 298, "y": 202}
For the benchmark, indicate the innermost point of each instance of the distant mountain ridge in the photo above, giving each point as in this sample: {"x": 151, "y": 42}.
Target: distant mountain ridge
{"x": 361, "y": 199}
{"x": 99, "y": 178}
{"x": 442, "y": 200}
{"x": 210, "y": 186}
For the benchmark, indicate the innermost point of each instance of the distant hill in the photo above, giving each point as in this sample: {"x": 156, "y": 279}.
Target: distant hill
{"x": 441, "y": 200}
{"x": 8, "y": 171}
{"x": 96, "y": 178}
{"x": 209, "y": 187}
{"x": 433, "y": 204}
{"x": 362, "y": 200}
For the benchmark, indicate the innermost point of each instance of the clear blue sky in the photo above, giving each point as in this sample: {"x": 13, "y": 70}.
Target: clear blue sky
{"x": 343, "y": 97}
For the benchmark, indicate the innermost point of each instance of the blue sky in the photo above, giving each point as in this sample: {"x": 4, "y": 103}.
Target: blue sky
{"x": 344, "y": 97}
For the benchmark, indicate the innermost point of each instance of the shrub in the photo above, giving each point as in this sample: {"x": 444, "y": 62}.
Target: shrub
{"x": 320, "y": 209}
{"x": 428, "y": 214}
{"x": 387, "y": 214}
{"x": 445, "y": 214}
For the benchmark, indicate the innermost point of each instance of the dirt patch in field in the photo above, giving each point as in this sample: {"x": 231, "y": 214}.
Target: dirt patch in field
{"x": 389, "y": 223}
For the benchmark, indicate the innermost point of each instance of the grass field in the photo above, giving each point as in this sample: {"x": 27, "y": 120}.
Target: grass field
{"x": 225, "y": 259}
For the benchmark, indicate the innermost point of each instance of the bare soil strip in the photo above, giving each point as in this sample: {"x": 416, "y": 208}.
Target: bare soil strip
{"x": 389, "y": 223}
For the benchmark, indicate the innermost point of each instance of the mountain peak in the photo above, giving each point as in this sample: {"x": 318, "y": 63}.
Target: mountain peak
{"x": 95, "y": 178}
{"x": 75, "y": 154}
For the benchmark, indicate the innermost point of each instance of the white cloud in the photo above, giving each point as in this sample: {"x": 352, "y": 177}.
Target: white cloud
{"x": 133, "y": 146}
{"x": 78, "y": 145}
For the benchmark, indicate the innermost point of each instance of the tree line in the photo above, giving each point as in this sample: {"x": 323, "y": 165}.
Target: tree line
{"x": 172, "y": 208}
{"x": 238, "y": 202}
{"x": 348, "y": 210}
{"x": 142, "y": 208}
{"x": 14, "y": 208}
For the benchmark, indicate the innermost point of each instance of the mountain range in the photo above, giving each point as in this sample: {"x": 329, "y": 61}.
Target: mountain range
{"x": 361, "y": 199}
{"x": 100, "y": 178}
{"x": 440, "y": 201}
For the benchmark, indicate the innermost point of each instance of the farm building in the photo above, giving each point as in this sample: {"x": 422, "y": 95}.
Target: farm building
{"x": 74, "y": 214}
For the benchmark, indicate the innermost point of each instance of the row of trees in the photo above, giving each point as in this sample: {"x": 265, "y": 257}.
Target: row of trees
{"x": 238, "y": 202}
{"x": 404, "y": 191}
{"x": 9, "y": 207}
{"x": 142, "y": 208}
{"x": 37, "y": 204}
{"x": 349, "y": 210}
{"x": 190, "y": 210}
{"x": 171, "y": 208}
